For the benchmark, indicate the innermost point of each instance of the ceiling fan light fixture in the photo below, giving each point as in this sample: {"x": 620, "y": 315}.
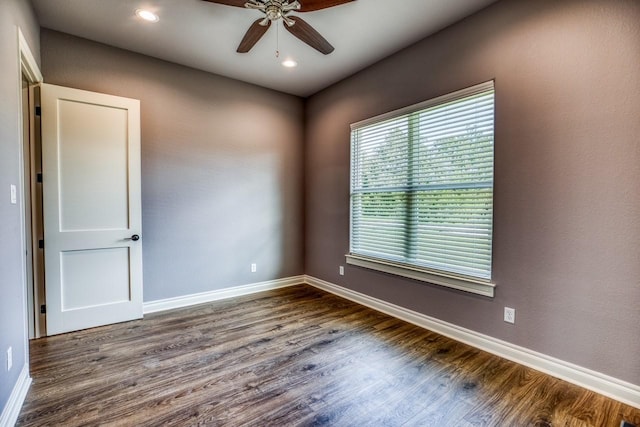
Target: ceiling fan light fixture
{"x": 275, "y": 10}
{"x": 289, "y": 63}
{"x": 147, "y": 15}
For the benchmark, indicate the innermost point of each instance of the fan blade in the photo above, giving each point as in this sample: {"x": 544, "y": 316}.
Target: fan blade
{"x": 311, "y": 5}
{"x": 307, "y": 34}
{"x": 255, "y": 33}
{"x": 237, "y": 3}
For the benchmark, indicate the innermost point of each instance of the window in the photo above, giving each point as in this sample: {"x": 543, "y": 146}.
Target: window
{"x": 422, "y": 191}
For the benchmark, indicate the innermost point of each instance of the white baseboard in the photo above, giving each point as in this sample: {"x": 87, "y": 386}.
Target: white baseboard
{"x": 600, "y": 383}
{"x": 12, "y": 409}
{"x": 219, "y": 294}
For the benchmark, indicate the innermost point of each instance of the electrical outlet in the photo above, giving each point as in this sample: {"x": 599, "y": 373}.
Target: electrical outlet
{"x": 9, "y": 358}
{"x": 341, "y": 270}
{"x": 254, "y": 267}
{"x": 510, "y": 315}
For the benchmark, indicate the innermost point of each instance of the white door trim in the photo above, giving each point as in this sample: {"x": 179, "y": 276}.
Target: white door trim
{"x": 28, "y": 61}
{"x": 27, "y": 65}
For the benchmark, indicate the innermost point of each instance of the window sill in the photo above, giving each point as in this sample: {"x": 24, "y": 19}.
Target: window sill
{"x": 467, "y": 284}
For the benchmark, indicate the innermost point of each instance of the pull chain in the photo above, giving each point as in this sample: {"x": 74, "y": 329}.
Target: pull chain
{"x": 277, "y": 41}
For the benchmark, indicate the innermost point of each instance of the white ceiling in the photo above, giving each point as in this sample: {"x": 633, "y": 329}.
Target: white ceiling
{"x": 205, "y": 35}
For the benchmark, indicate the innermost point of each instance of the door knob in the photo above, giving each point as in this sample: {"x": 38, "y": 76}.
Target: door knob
{"x": 135, "y": 237}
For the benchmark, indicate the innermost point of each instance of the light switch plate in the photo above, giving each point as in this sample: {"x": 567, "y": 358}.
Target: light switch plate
{"x": 14, "y": 194}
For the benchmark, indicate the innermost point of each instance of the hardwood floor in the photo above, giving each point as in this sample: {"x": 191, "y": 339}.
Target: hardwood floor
{"x": 292, "y": 357}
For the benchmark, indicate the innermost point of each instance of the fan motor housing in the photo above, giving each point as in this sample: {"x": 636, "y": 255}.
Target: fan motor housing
{"x": 273, "y": 12}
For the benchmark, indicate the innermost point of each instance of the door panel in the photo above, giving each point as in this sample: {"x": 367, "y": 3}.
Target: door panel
{"x": 94, "y": 277}
{"x": 91, "y": 186}
{"x": 93, "y": 181}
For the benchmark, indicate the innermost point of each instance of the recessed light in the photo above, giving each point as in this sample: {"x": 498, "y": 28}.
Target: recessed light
{"x": 147, "y": 15}
{"x": 289, "y": 63}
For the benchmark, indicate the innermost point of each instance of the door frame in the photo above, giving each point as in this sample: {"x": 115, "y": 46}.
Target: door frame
{"x": 27, "y": 66}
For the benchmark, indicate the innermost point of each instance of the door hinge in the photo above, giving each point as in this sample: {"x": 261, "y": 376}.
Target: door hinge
{"x": 39, "y": 177}
{"x": 41, "y": 244}
{"x": 43, "y": 309}
{"x": 38, "y": 111}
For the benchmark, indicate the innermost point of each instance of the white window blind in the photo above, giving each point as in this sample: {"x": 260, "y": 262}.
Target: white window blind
{"x": 422, "y": 185}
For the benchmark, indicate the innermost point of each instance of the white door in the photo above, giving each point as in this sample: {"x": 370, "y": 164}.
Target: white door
{"x": 92, "y": 209}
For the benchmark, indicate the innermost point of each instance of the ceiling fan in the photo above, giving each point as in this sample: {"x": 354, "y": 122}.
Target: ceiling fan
{"x": 275, "y": 10}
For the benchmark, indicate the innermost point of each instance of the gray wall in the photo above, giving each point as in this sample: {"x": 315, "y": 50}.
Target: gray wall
{"x": 567, "y": 174}
{"x": 224, "y": 186}
{"x": 222, "y": 166}
{"x": 13, "y": 14}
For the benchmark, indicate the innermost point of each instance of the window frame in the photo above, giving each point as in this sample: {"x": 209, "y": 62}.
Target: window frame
{"x": 457, "y": 281}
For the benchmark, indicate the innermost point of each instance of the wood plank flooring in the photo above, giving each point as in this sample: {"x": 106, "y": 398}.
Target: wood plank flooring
{"x": 291, "y": 357}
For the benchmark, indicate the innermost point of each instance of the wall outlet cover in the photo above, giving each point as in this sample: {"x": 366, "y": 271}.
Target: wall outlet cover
{"x": 510, "y": 315}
